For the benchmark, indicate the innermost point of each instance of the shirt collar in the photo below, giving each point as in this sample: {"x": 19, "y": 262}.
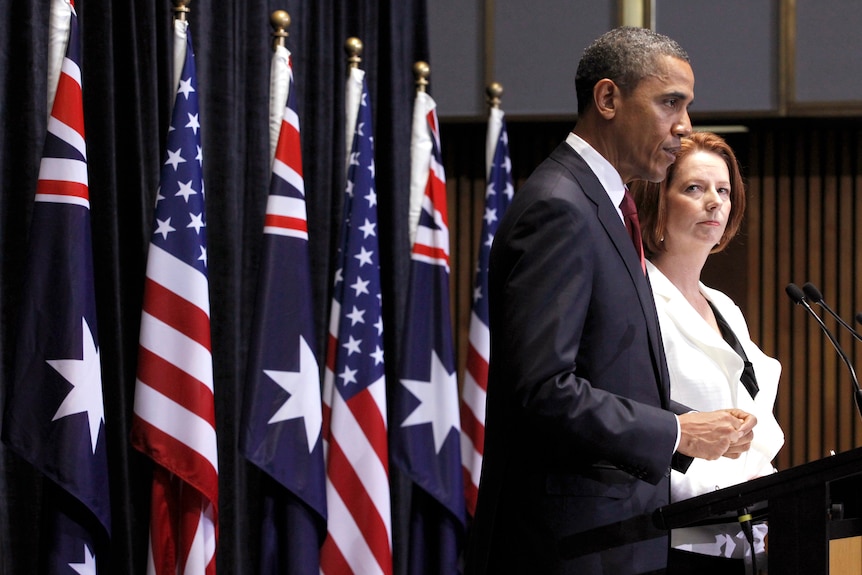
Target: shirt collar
{"x": 604, "y": 171}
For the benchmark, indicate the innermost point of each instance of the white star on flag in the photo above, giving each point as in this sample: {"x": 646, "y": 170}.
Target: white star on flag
{"x": 197, "y": 222}
{"x": 348, "y": 375}
{"x": 364, "y": 257}
{"x": 185, "y": 88}
{"x": 304, "y": 400}
{"x": 367, "y": 229}
{"x": 186, "y": 190}
{"x": 442, "y": 416}
{"x": 193, "y": 123}
{"x": 361, "y": 286}
{"x": 477, "y": 294}
{"x": 356, "y": 316}
{"x": 490, "y": 215}
{"x": 509, "y": 191}
{"x": 85, "y": 376}
{"x": 88, "y": 567}
{"x": 352, "y": 346}
{"x": 175, "y": 158}
{"x": 164, "y": 228}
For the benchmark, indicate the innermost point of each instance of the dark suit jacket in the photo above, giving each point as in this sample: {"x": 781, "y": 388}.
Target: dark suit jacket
{"x": 579, "y": 428}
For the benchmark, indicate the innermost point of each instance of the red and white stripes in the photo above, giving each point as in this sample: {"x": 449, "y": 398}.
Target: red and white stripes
{"x": 64, "y": 179}
{"x": 473, "y": 408}
{"x": 174, "y": 419}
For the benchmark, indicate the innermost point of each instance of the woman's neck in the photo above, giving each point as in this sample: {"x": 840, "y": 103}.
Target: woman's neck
{"x": 683, "y": 271}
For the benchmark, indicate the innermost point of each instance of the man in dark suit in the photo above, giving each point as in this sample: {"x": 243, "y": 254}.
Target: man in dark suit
{"x": 580, "y": 431}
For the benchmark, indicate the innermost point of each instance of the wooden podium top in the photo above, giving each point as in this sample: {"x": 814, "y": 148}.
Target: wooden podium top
{"x": 756, "y": 493}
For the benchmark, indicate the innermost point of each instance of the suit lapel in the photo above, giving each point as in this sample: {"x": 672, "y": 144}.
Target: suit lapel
{"x": 616, "y": 231}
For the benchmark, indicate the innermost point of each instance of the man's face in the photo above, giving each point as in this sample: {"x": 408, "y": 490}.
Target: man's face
{"x": 652, "y": 119}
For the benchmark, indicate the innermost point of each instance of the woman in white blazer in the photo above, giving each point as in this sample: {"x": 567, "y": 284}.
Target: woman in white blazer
{"x": 712, "y": 361}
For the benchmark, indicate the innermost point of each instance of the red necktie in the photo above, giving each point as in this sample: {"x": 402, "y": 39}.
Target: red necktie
{"x": 630, "y": 215}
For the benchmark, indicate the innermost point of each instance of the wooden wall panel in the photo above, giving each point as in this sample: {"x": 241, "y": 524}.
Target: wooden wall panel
{"x": 805, "y": 174}
{"x": 463, "y": 147}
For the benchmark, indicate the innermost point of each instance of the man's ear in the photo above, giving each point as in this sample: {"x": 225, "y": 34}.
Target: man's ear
{"x": 605, "y": 94}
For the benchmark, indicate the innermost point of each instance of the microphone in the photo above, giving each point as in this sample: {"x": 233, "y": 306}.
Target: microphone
{"x": 813, "y": 294}
{"x": 798, "y": 297}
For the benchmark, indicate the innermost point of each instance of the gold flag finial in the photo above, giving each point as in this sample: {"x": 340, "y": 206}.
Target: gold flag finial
{"x": 353, "y": 47}
{"x": 181, "y": 8}
{"x": 421, "y": 70}
{"x": 494, "y": 91}
{"x": 280, "y": 22}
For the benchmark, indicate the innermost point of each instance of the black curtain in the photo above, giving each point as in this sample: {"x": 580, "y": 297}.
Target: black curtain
{"x": 127, "y": 97}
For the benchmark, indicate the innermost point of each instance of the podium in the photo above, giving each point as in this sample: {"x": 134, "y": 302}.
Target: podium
{"x": 807, "y": 507}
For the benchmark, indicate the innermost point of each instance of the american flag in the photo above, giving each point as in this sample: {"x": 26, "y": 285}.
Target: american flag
{"x": 54, "y": 414}
{"x": 498, "y": 194}
{"x": 426, "y": 427}
{"x": 281, "y": 431}
{"x": 354, "y": 413}
{"x": 174, "y": 419}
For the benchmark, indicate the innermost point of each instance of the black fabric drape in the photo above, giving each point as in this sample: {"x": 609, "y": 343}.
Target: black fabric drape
{"x": 127, "y": 98}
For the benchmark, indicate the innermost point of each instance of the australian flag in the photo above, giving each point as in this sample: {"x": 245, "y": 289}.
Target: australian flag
{"x": 282, "y": 419}
{"x": 426, "y": 426}
{"x": 54, "y": 415}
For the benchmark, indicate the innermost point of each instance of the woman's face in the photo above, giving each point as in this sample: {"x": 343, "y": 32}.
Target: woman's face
{"x": 698, "y": 202}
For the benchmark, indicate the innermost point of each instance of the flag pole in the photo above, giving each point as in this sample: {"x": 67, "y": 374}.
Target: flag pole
{"x": 280, "y": 22}
{"x": 181, "y": 8}
{"x": 420, "y": 147}
{"x": 180, "y": 25}
{"x": 353, "y": 46}
{"x": 279, "y": 77}
{"x": 494, "y": 92}
{"x": 421, "y": 70}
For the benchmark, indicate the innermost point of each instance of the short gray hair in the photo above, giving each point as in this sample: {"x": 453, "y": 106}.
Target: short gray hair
{"x": 625, "y": 55}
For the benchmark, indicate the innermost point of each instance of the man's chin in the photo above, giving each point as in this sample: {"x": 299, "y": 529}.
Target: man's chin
{"x": 660, "y": 174}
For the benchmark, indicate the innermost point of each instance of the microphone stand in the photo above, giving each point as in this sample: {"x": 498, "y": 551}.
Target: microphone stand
{"x": 813, "y": 294}
{"x": 798, "y": 297}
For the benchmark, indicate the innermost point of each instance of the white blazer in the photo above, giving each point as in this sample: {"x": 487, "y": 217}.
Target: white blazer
{"x": 704, "y": 375}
